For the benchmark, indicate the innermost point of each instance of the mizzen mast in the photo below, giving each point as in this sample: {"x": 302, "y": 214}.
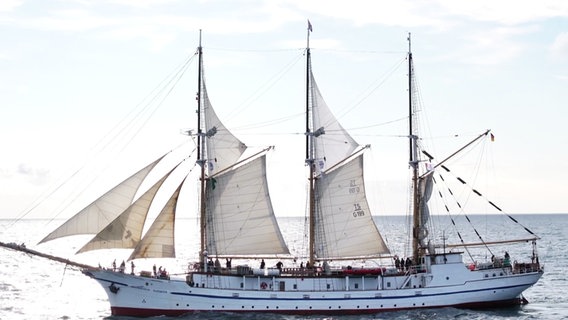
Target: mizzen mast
{"x": 413, "y": 160}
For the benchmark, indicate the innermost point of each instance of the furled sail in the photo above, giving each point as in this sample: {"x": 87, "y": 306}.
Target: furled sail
{"x": 344, "y": 225}
{"x": 159, "y": 242}
{"x": 241, "y": 220}
{"x": 126, "y": 230}
{"x": 332, "y": 142}
{"x": 223, "y": 148}
{"x": 425, "y": 185}
{"x": 97, "y": 215}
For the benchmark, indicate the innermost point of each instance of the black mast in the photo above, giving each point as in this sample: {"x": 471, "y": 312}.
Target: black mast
{"x": 309, "y": 152}
{"x": 200, "y": 155}
{"x": 413, "y": 161}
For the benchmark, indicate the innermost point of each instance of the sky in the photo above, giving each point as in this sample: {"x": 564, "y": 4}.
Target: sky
{"x": 75, "y": 73}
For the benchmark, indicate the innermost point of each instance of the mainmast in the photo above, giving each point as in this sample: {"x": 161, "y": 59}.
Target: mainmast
{"x": 413, "y": 160}
{"x": 310, "y": 154}
{"x": 200, "y": 155}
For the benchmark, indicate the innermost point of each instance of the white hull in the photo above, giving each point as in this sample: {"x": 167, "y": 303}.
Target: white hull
{"x": 444, "y": 285}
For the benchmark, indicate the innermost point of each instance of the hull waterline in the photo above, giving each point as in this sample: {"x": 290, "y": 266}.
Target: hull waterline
{"x": 131, "y": 295}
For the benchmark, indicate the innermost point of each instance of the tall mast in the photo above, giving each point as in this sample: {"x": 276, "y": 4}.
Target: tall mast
{"x": 413, "y": 160}
{"x": 310, "y": 153}
{"x": 200, "y": 154}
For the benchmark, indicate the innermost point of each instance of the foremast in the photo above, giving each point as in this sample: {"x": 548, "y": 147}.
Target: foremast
{"x": 310, "y": 153}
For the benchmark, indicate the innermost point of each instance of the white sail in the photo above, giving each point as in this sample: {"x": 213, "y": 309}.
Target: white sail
{"x": 97, "y": 215}
{"x": 332, "y": 142}
{"x": 241, "y": 220}
{"x": 344, "y": 225}
{"x": 223, "y": 148}
{"x": 126, "y": 230}
{"x": 159, "y": 241}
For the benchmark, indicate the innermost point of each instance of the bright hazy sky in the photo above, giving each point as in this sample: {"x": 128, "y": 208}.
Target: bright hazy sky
{"x": 71, "y": 70}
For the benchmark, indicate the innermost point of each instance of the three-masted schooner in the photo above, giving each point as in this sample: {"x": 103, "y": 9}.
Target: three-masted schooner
{"x": 237, "y": 221}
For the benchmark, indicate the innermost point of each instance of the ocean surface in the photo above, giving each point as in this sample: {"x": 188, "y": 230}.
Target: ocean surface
{"x": 37, "y": 288}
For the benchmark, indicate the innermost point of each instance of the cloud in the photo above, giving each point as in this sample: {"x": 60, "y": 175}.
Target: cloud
{"x": 10, "y": 5}
{"x": 493, "y": 46}
{"x": 559, "y": 48}
{"x": 36, "y": 176}
{"x": 504, "y": 12}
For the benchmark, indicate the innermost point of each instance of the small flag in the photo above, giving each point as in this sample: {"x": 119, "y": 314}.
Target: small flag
{"x": 492, "y": 137}
{"x": 310, "y": 26}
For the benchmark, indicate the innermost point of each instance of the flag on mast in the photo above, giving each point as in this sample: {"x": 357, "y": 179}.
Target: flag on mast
{"x": 310, "y": 26}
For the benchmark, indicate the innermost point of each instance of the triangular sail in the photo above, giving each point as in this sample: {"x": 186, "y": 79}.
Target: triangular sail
{"x": 126, "y": 230}
{"x": 159, "y": 241}
{"x": 223, "y": 148}
{"x": 97, "y": 215}
{"x": 342, "y": 222}
{"x": 332, "y": 142}
{"x": 344, "y": 225}
{"x": 238, "y": 218}
{"x": 241, "y": 220}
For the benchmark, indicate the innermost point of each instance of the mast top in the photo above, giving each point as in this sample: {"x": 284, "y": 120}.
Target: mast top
{"x": 409, "y": 43}
{"x": 308, "y": 37}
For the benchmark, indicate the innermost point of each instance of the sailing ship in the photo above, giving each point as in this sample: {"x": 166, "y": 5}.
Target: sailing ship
{"x": 237, "y": 221}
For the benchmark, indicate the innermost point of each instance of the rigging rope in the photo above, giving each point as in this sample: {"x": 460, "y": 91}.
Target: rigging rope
{"x": 451, "y": 217}
{"x": 490, "y": 202}
{"x": 106, "y": 141}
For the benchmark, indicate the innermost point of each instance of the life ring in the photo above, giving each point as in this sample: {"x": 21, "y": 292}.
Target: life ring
{"x": 263, "y": 285}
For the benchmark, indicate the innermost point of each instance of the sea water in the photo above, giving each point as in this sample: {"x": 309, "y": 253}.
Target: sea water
{"x": 37, "y": 288}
